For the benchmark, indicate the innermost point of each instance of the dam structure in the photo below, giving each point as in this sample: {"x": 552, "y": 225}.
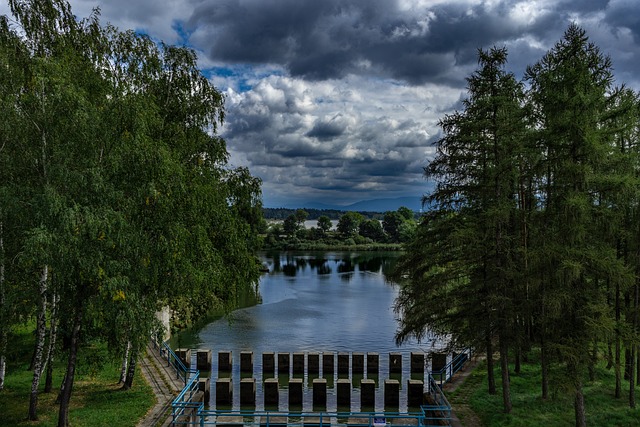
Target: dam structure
{"x": 242, "y": 389}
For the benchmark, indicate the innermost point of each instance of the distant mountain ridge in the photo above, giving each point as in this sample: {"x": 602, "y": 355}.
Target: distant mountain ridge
{"x": 374, "y": 205}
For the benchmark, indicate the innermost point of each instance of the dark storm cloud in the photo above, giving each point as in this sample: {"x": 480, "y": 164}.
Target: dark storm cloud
{"x": 323, "y": 130}
{"x": 332, "y": 38}
{"x": 339, "y": 99}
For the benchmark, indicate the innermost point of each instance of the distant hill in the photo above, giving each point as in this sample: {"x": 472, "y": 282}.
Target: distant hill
{"x": 384, "y": 205}
{"x": 375, "y": 205}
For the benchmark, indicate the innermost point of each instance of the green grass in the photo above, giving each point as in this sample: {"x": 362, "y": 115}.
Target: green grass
{"x": 529, "y": 410}
{"x": 97, "y": 399}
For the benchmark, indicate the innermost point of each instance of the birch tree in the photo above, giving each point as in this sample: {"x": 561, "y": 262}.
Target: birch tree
{"x": 139, "y": 207}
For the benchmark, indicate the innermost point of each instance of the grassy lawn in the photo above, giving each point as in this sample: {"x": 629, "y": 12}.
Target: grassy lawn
{"x": 529, "y": 410}
{"x": 96, "y": 399}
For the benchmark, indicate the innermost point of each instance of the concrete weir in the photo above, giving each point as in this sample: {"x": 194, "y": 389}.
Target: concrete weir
{"x": 184, "y": 354}
{"x": 225, "y": 361}
{"x": 320, "y": 380}
{"x": 313, "y": 363}
{"x": 224, "y": 391}
{"x": 320, "y": 393}
{"x": 246, "y": 361}
{"x": 328, "y": 363}
{"x": 283, "y": 363}
{"x": 268, "y": 363}
{"x": 298, "y": 363}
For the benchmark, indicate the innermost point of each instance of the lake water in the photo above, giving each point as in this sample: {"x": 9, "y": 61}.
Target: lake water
{"x": 314, "y": 302}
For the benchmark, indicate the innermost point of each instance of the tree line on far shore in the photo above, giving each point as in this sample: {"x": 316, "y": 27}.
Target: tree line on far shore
{"x": 351, "y": 228}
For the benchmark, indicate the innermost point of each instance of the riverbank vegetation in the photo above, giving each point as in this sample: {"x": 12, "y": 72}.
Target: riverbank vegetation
{"x": 532, "y": 243}
{"x": 352, "y": 231}
{"x": 116, "y": 196}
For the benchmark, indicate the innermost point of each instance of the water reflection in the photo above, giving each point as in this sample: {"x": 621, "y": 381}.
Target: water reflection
{"x": 345, "y": 263}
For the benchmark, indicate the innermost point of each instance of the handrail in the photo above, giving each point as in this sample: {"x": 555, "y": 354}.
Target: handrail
{"x": 440, "y": 411}
{"x": 277, "y": 418}
{"x": 173, "y": 360}
{"x": 449, "y": 370}
{"x": 183, "y": 405}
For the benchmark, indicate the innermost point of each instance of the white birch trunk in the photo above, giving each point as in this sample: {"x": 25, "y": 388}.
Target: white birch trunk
{"x": 133, "y": 359}
{"x": 53, "y": 332}
{"x": 40, "y": 341}
{"x": 125, "y": 363}
{"x": 3, "y": 330}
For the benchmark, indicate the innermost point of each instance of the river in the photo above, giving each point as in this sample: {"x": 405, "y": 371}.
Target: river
{"x": 313, "y": 302}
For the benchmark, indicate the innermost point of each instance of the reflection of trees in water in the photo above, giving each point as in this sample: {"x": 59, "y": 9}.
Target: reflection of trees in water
{"x": 324, "y": 269}
{"x": 289, "y": 269}
{"x": 346, "y": 277}
{"x": 319, "y": 264}
{"x": 370, "y": 264}
{"x": 346, "y": 264}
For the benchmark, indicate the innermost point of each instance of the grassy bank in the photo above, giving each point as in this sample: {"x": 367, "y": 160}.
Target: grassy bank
{"x": 96, "y": 399}
{"x": 529, "y": 410}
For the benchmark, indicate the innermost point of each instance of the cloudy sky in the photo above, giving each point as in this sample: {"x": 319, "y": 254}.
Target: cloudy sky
{"x": 338, "y": 101}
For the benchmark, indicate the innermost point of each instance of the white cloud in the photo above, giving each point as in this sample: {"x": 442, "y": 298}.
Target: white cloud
{"x": 352, "y": 135}
{"x": 332, "y": 99}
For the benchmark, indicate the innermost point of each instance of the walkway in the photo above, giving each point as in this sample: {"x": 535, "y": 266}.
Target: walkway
{"x": 470, "y": 418}
{"x": 165, "y": 386}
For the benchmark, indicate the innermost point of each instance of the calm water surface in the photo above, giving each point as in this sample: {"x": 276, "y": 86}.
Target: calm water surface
{"x": 313, "y": 302}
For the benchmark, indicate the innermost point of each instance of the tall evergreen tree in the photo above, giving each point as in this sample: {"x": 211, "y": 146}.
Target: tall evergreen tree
{"x": 569, "y": 92}
{"x": 476, "y": 170}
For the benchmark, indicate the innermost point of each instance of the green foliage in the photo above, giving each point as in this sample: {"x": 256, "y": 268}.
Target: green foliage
{"x": 324, "y": 224}
{"x": 115, "y": 179}
{"x": 349, "y": 223}
{"x": 371, "y": 229}
{"x": 290, "y": 226}
{"x": 529, "y": 239}
{"x": 98, "y": 399}
{"x": 530, "y": 410}
{"x": 353, "y": 228}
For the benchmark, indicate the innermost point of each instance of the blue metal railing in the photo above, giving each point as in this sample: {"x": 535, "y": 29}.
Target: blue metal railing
{"x": 277, "y": 418}
{"x": 438, "y": 412}
{"x": 182, "y": 372}
{"x": 184, "y": 408}
{"x": 445, "y": 374}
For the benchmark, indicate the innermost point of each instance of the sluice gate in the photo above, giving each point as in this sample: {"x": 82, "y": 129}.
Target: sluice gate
{"x": 312, "y": 389}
